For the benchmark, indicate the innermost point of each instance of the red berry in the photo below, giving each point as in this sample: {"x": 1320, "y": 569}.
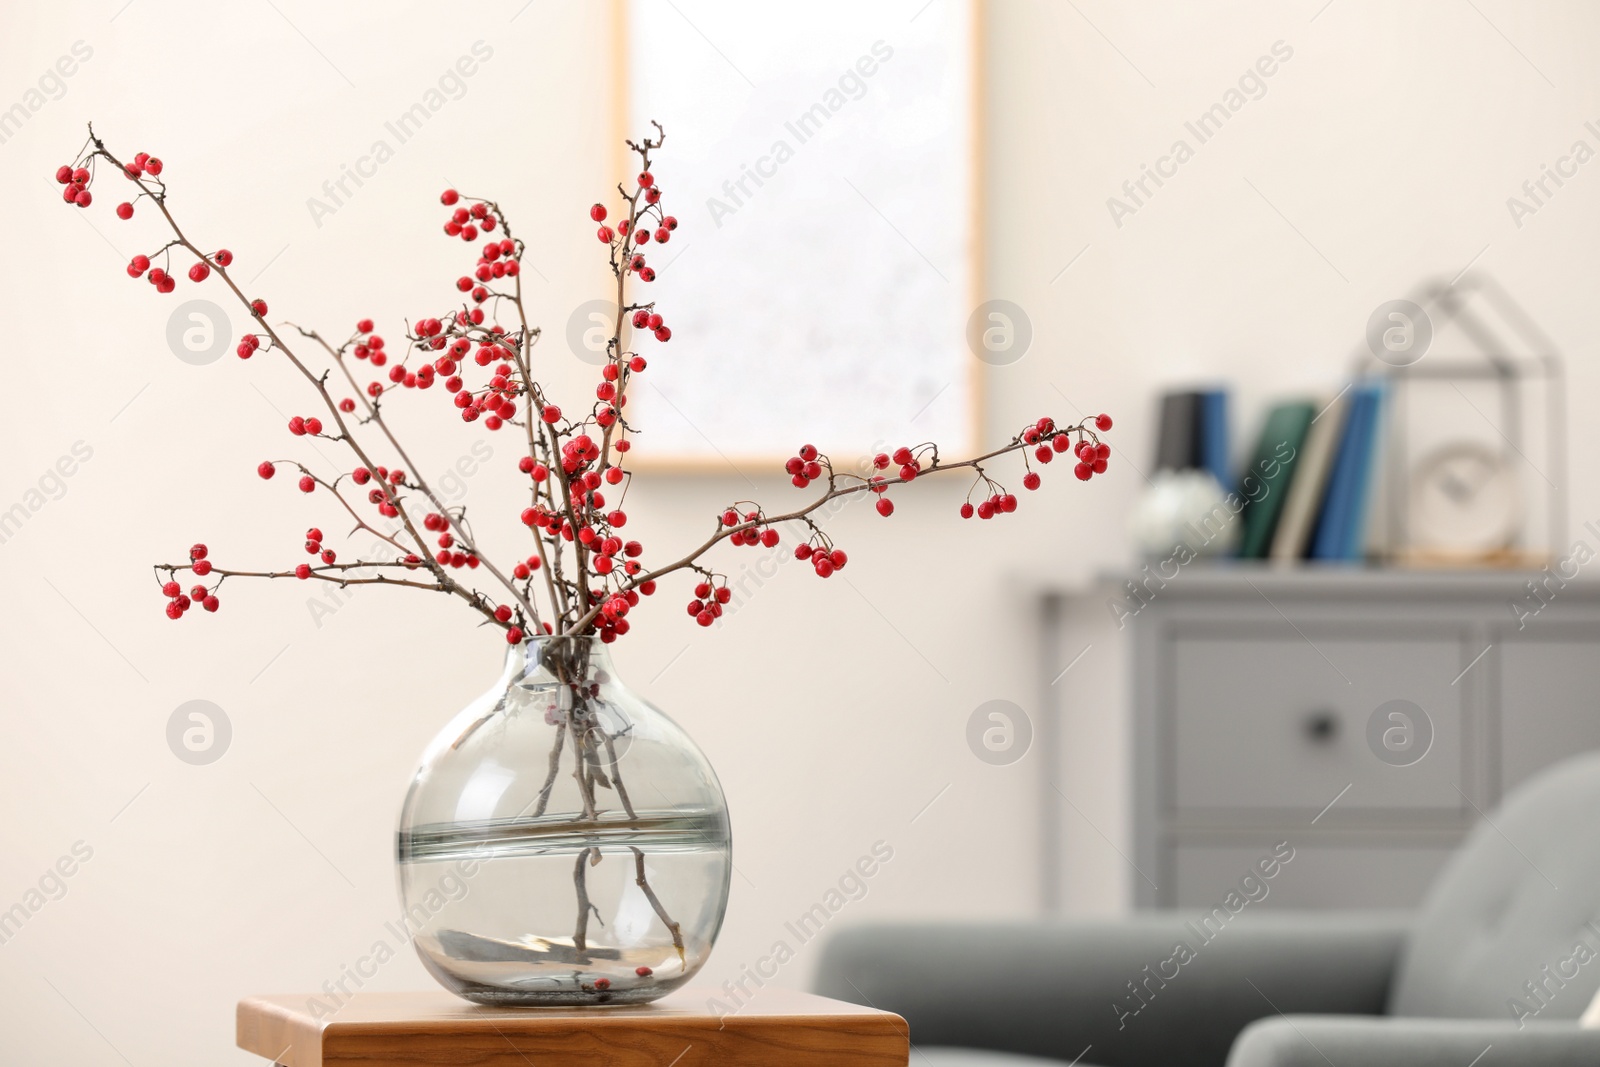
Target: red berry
{"x": 514, "y": 635}
{"x": 307, "y": 483}
{"x": 646, "y": 180}
{"x": 198, "y": 551}
{"x": 966, "y": 511}
{"x": 669, "y": 222}
{"x": 314, "y": 534}
{"x": 664, "y": 334}
{"x": 210, "y": 603}
{"x": 1102, "y": 423}
{"x": 598, "y": 213}
{"x": 1099, "y": 466}
{"x": 64, "y": 175}
{"x": 448, "y": 197}
{"x": 172, "y": 589}
{"x": 266, "y": 470}
{"x": 223, "y": 257}
{"x": 173, "y": 611}
{"x": 1083, "y": 471}
{"x": 502, "y": 613}
{"x": 313, "y": 425}
{"x": 551, "y": 414}
{"x": 1030, "y": 480}
{"x": 605, "y": 234}
{"x": 705, "y": 618}
{"x": 199, "y": 272}
{"x": 124, "y": 211}
{"x": 364, "y": 326}
{"x": 259, "y": 307}
{"x": 1102, "y": 451}
{"x": 885, "y": 506}
{"x": 297, "y": 426}
{"x": 201, "y": 567}
{"x": 303, "y": 571}
{"x": 152, "y": 165}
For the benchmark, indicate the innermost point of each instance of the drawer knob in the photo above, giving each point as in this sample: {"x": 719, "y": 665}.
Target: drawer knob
{"x": 1322, "y": 726}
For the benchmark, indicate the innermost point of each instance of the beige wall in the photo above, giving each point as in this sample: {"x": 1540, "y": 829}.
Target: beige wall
{"x": 1382, "y": 151}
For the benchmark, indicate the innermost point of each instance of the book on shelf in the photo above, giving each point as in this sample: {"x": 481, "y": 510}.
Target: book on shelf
{"x": 1266, "y": 483}
{"x": 1292, "y": 540}
{"x": 1340, "y": 532}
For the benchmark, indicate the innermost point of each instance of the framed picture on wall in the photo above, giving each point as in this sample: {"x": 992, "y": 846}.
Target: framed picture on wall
{"x": 819, "y": 160}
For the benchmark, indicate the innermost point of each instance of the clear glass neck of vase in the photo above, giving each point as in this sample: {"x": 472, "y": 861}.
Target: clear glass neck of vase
{"x": 546, "y": 659}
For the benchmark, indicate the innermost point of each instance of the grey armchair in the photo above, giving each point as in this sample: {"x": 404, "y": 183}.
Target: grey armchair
{"x": 1503, "y": 956}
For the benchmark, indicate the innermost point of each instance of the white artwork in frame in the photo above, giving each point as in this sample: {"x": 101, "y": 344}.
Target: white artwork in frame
{"x": 820, "y": 163}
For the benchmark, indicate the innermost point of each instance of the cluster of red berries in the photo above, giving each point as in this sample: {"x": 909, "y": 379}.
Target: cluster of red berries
{"x": 369, "y": 345}
{"x": 645, "y": 319}
{"x": 824, "y": 558}
{"x": 612, "y": 621}
{"x": 758, "y": 534}
{"x": 314, "y": 546}
{"x": 178, "y": 601}
{"x": 166, "y": 283}
{"x": 706, "y": 607}
{"x": 804, "y": 468}
{"x": 497, "y": 260}
{"x": 1092, "y": 455}
{"x": 379, "y": 495}
{"x": 629, "y": 235}
{"x": 466, "y": 222}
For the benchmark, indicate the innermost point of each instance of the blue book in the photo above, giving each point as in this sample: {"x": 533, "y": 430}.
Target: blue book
{"x": 1214, "y": 435}
{"x": 1340, "y": 533}
{"x": 1355, "y": 547}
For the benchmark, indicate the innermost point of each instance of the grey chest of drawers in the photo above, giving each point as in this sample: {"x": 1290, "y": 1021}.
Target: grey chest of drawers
{"x": 1366, "y": 718}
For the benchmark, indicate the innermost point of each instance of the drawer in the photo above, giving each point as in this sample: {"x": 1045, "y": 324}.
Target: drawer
{"x": 1547, "y": 696}
{"x": 1267, "y": 722}
{"x": 1319, "y": 876}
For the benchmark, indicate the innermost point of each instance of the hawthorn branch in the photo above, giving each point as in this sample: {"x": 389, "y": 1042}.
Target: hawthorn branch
{"x": 834, "y": 492}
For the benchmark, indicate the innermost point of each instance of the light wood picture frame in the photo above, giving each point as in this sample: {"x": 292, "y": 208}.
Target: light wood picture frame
{"x": 825, "y": 167}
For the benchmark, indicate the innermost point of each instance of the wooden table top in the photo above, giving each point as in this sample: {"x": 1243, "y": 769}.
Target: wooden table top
{"x": 775, "y": 1028}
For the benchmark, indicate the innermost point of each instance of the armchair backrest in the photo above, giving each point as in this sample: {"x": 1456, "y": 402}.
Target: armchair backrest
{"x": 1511, "y": 928}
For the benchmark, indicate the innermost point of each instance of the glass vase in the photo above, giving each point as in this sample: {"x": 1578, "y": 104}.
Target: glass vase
{"x": 563, "y": 842}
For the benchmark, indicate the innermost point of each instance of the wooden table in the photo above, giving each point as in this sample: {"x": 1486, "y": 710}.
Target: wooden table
{"x": 776, "y": 1028}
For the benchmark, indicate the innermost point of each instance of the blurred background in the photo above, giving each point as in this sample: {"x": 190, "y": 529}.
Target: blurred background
{"x": 1382, "y": 154}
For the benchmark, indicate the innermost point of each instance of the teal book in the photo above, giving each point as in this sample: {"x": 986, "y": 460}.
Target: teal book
{"x": 1264, "y": 485}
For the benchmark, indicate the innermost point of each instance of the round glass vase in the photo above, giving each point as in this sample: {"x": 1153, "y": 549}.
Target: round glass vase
{"x": 563, "y": 842}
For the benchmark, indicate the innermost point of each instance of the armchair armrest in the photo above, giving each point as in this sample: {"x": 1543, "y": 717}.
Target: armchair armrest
{"x": 1157, "y": 989}
{"x": 1315, "y": 1041}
